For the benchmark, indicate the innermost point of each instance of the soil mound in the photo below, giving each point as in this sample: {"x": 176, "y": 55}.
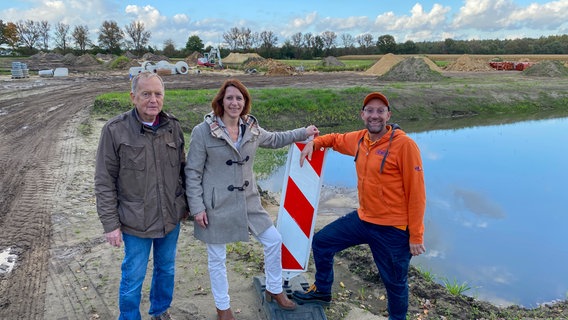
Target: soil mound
{"x": 272, "y": 67}
{"x": 412, "y": 69}
{"x": 239, "y": 58}
{"x": 191, "y": 60}
{"x": 154, "y": 57}
{"x": 69, "y": 59}
{"x": 547, "y": 68}
{"x": 384, "y": 64}
{"x": 331, "y": 62}
{"x": 86, "y": 60}
{"x": 467, "y": 63}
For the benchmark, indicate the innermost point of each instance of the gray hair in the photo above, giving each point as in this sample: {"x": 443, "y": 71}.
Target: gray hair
{"x": 145, "y": 75}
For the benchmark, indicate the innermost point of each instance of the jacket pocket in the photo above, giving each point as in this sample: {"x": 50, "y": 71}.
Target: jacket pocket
{"x": 132, "y": 157}
{"x": 173, "y": 153}
{"x": 131, "y": 214}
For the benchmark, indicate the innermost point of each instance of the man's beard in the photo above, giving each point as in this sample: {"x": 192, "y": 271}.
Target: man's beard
{"x": 375, "y": 128}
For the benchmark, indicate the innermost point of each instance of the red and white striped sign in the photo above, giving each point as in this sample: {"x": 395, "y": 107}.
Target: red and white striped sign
{"x": 298, "y": 209}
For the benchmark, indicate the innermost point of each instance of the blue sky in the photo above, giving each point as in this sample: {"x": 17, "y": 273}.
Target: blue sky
{"x": 417, "y": 20}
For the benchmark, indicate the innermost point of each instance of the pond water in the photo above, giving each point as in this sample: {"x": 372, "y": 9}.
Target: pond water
{"x": 497, "y": 208}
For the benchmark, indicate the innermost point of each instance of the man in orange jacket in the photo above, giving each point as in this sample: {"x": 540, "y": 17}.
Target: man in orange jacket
{"x": 392, "y": 201}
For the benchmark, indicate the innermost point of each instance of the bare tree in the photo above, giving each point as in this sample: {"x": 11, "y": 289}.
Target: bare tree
{"x": 328, "y": 38}
{"x": 245, "y": 38}
{"x": 232, "y": 38}
{"x": 29, "y": 32}
{"x": 139, "y": 36}
{"x": 2, "y": 28}
{"x": 296, "y": 39}
{"x": 347, "y": 40}
{"x": 110, "y": 36}
{"x": 81, "y": 37}
{"x": 44, "y": 34}
{"x": 268, "y": 39}
{"x": 308, "y": 41}
{"x": 61, "y": 36}
{"x": 365, "y": 40}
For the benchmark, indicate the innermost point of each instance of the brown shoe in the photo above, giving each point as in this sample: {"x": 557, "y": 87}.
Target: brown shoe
{"x": 281, "y": 299}
{"x": 225, "y": 314}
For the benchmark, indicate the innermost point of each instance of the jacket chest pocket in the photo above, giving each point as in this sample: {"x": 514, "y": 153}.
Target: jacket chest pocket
{"x": 132, "y": 157}
{"x": 173, "y": 153}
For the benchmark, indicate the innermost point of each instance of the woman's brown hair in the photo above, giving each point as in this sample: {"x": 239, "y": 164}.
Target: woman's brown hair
{"x": 217, "y": 103}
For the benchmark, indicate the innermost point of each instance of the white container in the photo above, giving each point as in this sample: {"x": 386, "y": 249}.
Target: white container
{"x": 61, "y": 72}
{"x": 46, "y": 73}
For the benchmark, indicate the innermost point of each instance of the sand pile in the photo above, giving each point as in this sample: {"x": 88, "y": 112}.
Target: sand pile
{"x": 384, "y": 64}
{"x": 412, "y": 69}
{"x": 239, "y": 58}
{"x": 86, "y": 60}
{"x": 69, "y": 59}
{"x": 467, "y": 63}
{"x": 154, "y": 57}
{"x": 547, "y": 68}
{"x": 273, "y": 67}
{"x": 191, "y": 60}
{"x": 331, "y": 62}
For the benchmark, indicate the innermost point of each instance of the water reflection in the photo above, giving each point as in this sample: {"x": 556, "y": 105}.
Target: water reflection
{"x": 496, "y": 212}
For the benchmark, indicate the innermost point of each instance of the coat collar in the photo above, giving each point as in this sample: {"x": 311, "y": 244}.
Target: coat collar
{"x": 249, "y": 121}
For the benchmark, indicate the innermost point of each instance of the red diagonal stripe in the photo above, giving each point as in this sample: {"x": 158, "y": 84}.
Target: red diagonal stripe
{"x": 298, "y": 207}
{"x": 317, "y": 158}
{"x": 288, "y": 260}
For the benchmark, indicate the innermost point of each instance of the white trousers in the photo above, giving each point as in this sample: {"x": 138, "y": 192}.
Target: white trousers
{"x": 271, "y": 240}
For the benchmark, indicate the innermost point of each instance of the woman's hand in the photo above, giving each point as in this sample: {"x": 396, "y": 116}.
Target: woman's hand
{"x": 201, "y": 219}
{"x": 312, "y": 130}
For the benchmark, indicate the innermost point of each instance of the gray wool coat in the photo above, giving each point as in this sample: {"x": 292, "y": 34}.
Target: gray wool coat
{"x": 225, "y": 189}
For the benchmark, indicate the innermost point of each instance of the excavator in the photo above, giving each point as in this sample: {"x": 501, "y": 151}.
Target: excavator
{"x": 211, "y": 59}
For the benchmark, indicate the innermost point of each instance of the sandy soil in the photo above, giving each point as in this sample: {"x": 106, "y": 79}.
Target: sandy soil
{"x": 54, "y": 262}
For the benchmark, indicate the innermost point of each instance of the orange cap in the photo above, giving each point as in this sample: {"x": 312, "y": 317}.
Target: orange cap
{"x": 376, "y": 95}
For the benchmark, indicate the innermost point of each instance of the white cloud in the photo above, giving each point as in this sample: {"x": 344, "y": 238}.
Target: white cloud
{"x": 147, "y": 14}
{"x": 484, "y": 14}
{"x": 549, "y": 15}
{"x": 180, "y": 19}
{"x": 303, "y": 23}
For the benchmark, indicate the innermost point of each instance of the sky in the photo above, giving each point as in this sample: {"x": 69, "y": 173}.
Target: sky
{"x": 417, "y": 20}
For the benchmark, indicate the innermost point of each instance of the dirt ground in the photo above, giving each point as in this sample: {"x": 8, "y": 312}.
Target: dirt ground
{"x": 54, "y": 262}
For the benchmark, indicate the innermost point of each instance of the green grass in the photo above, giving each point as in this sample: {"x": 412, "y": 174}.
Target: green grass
{"x": 456, "y": 288}
{"x": 426, "y": 274}
{"x": 313, "y": 65}
{"x": 337, "y": 109}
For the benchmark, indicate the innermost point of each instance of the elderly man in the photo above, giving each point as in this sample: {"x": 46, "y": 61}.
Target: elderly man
{"x": 140, "y": 194}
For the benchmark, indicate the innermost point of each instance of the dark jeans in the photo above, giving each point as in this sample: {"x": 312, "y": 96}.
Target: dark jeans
{"x": 390, "y": 248}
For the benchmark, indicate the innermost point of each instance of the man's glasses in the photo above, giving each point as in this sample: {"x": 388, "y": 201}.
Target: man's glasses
{"x": 371, "y": 111}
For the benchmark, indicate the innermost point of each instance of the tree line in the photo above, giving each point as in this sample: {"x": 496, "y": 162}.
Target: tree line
{"x": 27, "y": 37}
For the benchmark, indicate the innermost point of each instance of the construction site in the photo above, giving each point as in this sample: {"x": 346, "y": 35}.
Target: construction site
{"x": 58, "y": 265}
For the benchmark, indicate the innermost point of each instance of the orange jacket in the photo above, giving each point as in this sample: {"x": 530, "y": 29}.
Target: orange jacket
{"x": 395, "y": 197}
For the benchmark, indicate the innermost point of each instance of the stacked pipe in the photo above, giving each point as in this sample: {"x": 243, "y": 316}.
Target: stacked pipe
{"x": 161, "y": 68}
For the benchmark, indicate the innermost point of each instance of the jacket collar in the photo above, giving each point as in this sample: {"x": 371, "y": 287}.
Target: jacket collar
{"x": 249, "y": 121}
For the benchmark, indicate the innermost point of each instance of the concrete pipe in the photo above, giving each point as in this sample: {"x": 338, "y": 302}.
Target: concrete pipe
{"x": 182, "y": 67}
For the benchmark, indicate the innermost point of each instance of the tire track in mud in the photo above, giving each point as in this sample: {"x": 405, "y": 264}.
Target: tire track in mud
{"x": 33, "y": 148}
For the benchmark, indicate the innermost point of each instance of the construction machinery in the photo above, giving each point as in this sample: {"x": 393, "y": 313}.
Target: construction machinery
{"x": 211, "y": 59}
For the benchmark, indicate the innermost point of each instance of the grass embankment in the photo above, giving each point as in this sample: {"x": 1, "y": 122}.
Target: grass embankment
{"x": 416, "y": 107}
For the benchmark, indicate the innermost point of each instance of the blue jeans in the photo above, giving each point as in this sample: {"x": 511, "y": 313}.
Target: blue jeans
{"x": 390, "y": 249}
{"x": 136, "y": 256}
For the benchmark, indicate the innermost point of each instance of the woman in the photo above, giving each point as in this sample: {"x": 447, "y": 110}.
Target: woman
{"x": 222, "y": 192}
